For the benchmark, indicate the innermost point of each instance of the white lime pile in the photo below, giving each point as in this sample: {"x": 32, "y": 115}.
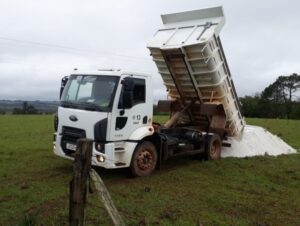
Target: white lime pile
{"x": 255, "y": 141}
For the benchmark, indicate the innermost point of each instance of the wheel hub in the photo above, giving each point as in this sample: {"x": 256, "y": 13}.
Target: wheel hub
{"x": 144, "y": 160}
{"x": 214, "y": 148}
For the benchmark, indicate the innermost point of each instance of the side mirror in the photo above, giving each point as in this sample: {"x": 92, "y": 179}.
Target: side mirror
{"x": 127, "y": 99}
{"x": 64, "y": 81}
{"x": 128, "y": 84}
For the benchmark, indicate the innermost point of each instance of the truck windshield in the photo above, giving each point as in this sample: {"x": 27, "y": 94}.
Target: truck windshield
{"x": 90, "y": 92}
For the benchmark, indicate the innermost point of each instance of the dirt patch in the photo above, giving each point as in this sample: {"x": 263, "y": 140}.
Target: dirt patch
{"x": 43, "y": 211}
{"x": 6, "y": 198}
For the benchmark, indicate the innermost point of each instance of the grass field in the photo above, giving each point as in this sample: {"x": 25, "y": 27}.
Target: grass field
{"x": 249, "y": 191}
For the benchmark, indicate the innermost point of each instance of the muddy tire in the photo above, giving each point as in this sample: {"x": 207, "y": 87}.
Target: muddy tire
{"x": 144, "y": 159}
{"x": 213, "y": 147}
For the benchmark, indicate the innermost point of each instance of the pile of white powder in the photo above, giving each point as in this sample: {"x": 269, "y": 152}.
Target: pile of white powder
{"x": 256, "y": 141}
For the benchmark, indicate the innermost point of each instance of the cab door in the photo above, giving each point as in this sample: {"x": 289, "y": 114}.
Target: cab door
{"x": 132, "y": 109}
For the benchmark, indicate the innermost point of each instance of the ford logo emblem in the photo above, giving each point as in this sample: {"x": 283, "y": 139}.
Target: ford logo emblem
{"x": 73, "y": 118}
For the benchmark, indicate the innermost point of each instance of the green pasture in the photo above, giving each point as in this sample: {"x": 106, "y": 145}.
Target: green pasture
{"x": 34, "y": 183}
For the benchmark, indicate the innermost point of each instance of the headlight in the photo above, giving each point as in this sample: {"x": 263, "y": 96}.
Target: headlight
{"x": 99, "y": 147}
{"x": 100, "y": 158}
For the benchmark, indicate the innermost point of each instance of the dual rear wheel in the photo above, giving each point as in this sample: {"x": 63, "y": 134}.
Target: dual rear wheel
{"x": 213, "y": 147}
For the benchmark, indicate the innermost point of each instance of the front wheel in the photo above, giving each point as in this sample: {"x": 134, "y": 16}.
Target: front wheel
{"x": 144, "y": 159}
{"x": 213, "y": 147}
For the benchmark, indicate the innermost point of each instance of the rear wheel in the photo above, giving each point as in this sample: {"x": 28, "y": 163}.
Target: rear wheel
{"x": 144, "y": 159}
{"x": 213, "y": 147}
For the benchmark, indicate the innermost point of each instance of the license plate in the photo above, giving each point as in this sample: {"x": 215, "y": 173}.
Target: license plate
{"x": 71, "y": 147}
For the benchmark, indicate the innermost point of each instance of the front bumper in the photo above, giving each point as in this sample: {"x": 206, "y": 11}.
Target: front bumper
{"x": 114, "y": 156}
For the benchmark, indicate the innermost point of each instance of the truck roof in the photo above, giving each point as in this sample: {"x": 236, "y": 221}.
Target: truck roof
{"x": 109, "y": 72}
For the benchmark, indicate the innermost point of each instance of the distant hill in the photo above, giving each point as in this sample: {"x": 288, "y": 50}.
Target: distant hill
{"x": 41, "y": 106}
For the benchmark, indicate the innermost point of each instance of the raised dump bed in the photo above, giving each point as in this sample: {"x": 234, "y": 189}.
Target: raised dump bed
{"x": 189, "y": 56}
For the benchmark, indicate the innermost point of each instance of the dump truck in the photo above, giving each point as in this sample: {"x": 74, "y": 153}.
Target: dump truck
{"x": 114, "y": 108}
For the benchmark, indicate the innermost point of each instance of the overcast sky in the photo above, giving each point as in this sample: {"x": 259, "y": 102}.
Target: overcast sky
{"x": 260, "y": 38}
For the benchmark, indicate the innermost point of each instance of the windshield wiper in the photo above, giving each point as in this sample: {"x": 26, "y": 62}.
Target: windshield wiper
{"x": 68, "y": 104}
{"x": 90, "y": 106}
{"x": 83, "y": 105}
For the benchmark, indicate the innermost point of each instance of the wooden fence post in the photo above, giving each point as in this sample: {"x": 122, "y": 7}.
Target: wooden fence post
{"x": 102, "y": 191}
{"x": 78, "y": 185}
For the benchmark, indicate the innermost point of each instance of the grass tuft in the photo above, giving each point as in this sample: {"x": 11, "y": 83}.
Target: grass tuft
{"x": 29, "y": 220}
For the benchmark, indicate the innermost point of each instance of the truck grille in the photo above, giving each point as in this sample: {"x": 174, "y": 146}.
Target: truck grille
{"x": 70, "y": 135}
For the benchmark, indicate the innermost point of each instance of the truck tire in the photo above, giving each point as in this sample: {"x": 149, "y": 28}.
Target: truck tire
{"x": 144, "y": 159}
{"x": 213, "y": 147}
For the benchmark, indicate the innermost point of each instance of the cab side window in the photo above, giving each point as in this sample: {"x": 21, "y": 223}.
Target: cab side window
{"x": 138, "y": 93}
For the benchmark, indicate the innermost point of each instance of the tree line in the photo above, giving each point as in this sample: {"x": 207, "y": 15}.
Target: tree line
{"x": 27, "y": 109}
{"x": 279, "y": 100}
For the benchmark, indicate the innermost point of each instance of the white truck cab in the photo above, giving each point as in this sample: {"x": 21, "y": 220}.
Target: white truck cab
{"x": 114, "y": 108}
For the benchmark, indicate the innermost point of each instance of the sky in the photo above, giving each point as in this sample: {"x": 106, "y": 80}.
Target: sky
{"x": 42, "y": 41}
